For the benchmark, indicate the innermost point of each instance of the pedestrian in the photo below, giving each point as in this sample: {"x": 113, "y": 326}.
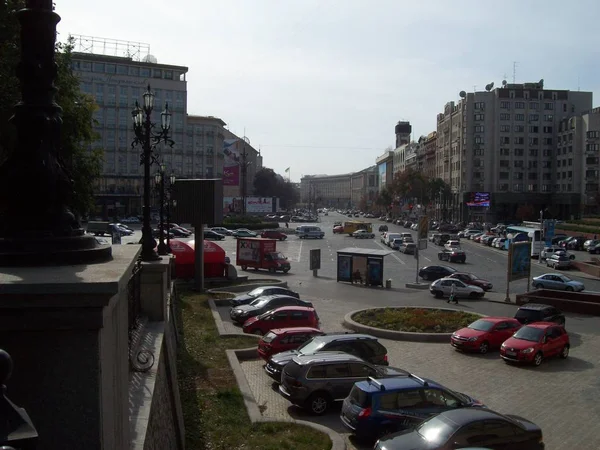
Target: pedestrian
{"x": 287, "y": 225}
{"x": 452, "y": 297}
{"x": 595, "y": 236}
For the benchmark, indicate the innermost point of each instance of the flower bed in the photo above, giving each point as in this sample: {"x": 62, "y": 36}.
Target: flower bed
{"x": 415, "y": 320}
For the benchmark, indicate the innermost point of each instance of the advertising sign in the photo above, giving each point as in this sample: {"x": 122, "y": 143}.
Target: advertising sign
{"x": 519, "y": 261}
{"x": 259, "y": 205}
{"x": 249, "y": 250}
{"x": 232, "y": 205}
{"x": 423, "y": 229}
{"x": 315, "y": 259}
{"x": 479, "y": 199}
{"x": 231, "y": 163}
{"x": 549, "y": 231}
{"x": 382, "y": 174}
{"x": 344, "y": 268}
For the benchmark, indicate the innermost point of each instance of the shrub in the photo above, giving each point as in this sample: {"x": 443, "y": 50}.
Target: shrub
{"x": 415, "y": 320}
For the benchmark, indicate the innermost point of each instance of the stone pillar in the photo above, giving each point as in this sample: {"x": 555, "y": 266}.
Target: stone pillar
{"x": 66, "y": 329}
{"x": 154, "y": 289}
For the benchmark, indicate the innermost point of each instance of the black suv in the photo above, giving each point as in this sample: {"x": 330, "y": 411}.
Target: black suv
{"x": 364, "y": 346}
{"x": 535, "y": 312}
{"x": 315, "y": 381}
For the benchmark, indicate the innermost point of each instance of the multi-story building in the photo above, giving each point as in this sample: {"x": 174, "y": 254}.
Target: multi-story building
{"x": 117, "y": 83}
{"x": 329, "y": 191}
{"x": 578, "y": 160}
{"x": 239, "y": 153}
{"x": 364, "y": 187}
{"x": 203, "y": 151}
{"x": 428, "y": 149}
{"x": 385, "y": 170}
{"x": 403, "y": 130}
{"x": 405, "y": 157}
{"x": 503, "y": 141}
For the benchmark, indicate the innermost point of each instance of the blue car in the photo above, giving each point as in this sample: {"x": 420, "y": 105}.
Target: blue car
{"x": 375, "y": 408}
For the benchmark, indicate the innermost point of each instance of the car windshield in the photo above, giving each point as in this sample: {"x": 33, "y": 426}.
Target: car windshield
{"x": 269, "y": 337}
{"x": 529, "y": 334}
{"x": 437, "y": 430}
{"x": 312, "y": 346}
{"x": 482, "y": 325}
{"x": 449, "y": 269}
{"x": 259, "y": 302}
{"x": 256, "y": 292}
{"x": 564, "y": 278}
{"x": 277, "y": 256}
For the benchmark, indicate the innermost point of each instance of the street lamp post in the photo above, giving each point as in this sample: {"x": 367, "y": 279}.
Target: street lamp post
{"x": 171, "y": 202}
{"x": 159, "y": 179}
{"x": 149, "y": 139}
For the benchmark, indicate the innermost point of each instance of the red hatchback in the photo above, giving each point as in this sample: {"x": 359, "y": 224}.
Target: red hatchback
{"x": 273, "y": 234}
{"x": 485, "y": 334}
{"x": 283, "y": 317}
{"x": 283, "y": 339}
{"x": 535, "y": 342}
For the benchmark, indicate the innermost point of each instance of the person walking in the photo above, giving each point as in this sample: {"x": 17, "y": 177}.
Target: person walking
{"x": 452, "y": 297}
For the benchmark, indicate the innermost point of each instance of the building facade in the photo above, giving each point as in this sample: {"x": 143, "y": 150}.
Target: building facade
{"x": 364, "y": 187}
{"x": 239, "y": 153}
{"x": 385, "y": 170}
{"x": 429, "y": 152}
{"x": 403, "y": 131}
{"x": 329, "y": 191}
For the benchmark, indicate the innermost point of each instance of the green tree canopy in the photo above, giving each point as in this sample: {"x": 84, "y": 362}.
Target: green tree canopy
{"x": 268, "y": 184}
{"x": 78, "y": 109}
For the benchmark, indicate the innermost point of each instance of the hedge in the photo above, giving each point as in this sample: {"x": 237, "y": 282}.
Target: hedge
{"x": 252, "y": 226}
{"x": 241, "y": 220}
{"x": 579, "y": 228}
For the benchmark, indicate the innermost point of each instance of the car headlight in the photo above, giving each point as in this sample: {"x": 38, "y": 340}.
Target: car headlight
{"x": 503, "y": 345}
{"x": 528, "y": 350}
{"x": 473, "y": 339}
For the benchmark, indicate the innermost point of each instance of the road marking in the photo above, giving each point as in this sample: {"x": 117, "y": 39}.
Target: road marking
{"x": 394, "y": 255}
{"x": 300, "y": 251}
{"x": 490, "y": 259}
{"x": 425, "y": 257}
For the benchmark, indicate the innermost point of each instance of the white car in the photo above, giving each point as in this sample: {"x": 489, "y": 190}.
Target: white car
{"x": 443, "y": 287}
{"x": 547, "y": 252}
{"x": 363, "y": 234}
{"x": 452, "y": 245}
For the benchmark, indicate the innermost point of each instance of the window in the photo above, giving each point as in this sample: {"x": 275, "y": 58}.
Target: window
{"x": 479, "y": 129}
{"x": 547, "y": 152}
{"x": 144, "y": 72}
{"x": 547, "y": 129}
{"x": 546, "y": 176}
{"x": 479, "y": 116}
{"x": 532, "y": 164}
{"x": 518, "y": 164}
{"x": 548, "y": 117}
{"x": 438, "y": 397}
{"x": 548, "y": 106}
{"x": 534, "y": 106}
{"x": 519, "y": 105}
{"x": 478, "y": 152}
{"x": 518, "y": 187}
{"x": 505, "y": 105}
{"x": 503, "y": 175}
{"x": 592, "y": 147}
{"x": 86, "y": 87}
{"x": 168, "y": 74}
{"x": 534, "y": 117}
{"x": 479, "y": 139}
{"x": 504, "y": 116}
{"x": 504, "y": 128}
{"x": 534, "y": 141}
{"x": 505, "y": 140}
{"x": 157, "y": 73}
{"x": 532, "y": 187}
{"x": 503, "y": 187}
{"x": 479, "y": 105}
{"x": 99, "y": 93}
{"x": 592, "y": 134}
{"x": 570, "y": 162}
{"x": 518, "y": 175}
{"x": 122, "y": 70}
{"x": 532, "y": 176}
{"x": 505, "y": 152}
{"x": 110, "y": 138}
{"x": 99, "y": 67}
{"x": 519, "y": 140}
{"x": 111, "y": 68}
{"x": 134, "y": 71}
{"x": 533, "y": 128}
{"x": 546, "y": 164}
{"x": 533, "y": 152}
{"x": 520, "y": 117}
{"x": 504, "y": 163}
{"x": 519, "y": 128}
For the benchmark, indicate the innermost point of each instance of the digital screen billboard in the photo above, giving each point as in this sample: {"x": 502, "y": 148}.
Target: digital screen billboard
{"x": 382, "y": 174}
{"x": 479, "y": 199}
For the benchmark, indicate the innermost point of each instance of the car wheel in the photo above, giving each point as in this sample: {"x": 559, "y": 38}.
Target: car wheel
{"x": 438, "y": 294}
{"x": 484, "y": 347}
{"x": 244, "y": 267}
{"x": 318, "y": 403}
{"x": 425, "y": 276}
{"x": 537, "y": 359}
{"x": 564, "y": 354}
{"x": 538, "y": 286}
{"x": 286, "y": 270}
{"x": 569, "y": 288}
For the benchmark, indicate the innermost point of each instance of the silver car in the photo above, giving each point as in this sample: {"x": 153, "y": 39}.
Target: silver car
{"x": 558, "y": 261}
{"x": 557, "y": 281}
{"x": 443, "y": 287}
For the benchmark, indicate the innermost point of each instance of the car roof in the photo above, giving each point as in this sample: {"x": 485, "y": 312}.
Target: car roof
{"x": 536, "y": 306}
{"x": 542, "y": 325}
{"x": 326, "y": 357}
{"x": 463, "y": 416}
{"x": 293, "y": 330}
{"x": 411, "y": 381}
{"x": 330, "y": 337}
{"x": 498, "y": 319}
{"x": 274, "y": 296}
{"x": 294, "y": 308}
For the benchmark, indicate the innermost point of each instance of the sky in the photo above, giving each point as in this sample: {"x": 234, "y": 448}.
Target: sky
{"x": 318, "y": 86}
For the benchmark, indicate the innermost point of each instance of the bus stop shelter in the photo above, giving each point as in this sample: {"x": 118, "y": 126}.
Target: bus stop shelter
{"x": 363, "y": 265}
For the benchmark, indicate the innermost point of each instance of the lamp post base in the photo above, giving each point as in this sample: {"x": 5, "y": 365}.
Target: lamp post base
{"x": 27, "y": 251}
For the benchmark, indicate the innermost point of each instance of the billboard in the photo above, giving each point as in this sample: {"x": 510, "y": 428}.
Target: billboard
{"x": 549, "y": 231}
{"x": 423, "y": 230}
{"x": 479, "y": 199}
{"x": 254, "y": 205}
{"x": 231, "y": 163}
{"x": 382, "y": 174}
{"x": 519, "y": 260}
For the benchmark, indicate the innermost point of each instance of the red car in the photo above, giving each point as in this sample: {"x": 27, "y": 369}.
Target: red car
{"x": 283, "y": 317}
{"x": 535, "y": 342}
{"x": 338, "y": 229}
{"x": 273, "y": 234}
{"x": 473, "y": 280}
{"x": 283, "y": 339}
{"x": 485, "y": 334}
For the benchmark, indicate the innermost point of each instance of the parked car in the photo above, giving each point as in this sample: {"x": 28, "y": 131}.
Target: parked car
{"x": 487, "y": 333}
{"x": 573, "y": 243}
{"x": 338, "y": 229}
{"x": 364, "y": 346}
{"x": 282, "y": 339}
{"x": 594, "y": 249}
{"x": 553, "y": 250}
{"x": 314, "y": 382}
{"x": 535, "y": 342}
{"x": 273, "y": 234}
{"x": 558, "y": 261}
{"x": 180, "y": 232}
{"x": 590, "y": 243}
{"x": 363, "y": 234}
{"x": 452, "y": 245}
{"x": 557, "y": 281}
{"x": 284, "y": 317}
{"x": 465, "y": 428}
{"x": 443, "y": 287}
{"x": 383, "y": 228}
{"x": 408, "y": 248}
{"x": 213, "y": 236}
{"x": 558, "y": 238}
{"x": 469, "y": 278}
{"x": 454, "y": 255}
{"x": 244, "y": 299}
{"x": 375, "y": 408}
{"x": 243, "y": 233}
{"x": 435, "y": 272}
{"x": 240, "y": 314}
{"x": 535, "y": 312}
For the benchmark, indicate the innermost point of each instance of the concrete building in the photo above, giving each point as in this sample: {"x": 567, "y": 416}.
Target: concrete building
{"x": 116, "y": 83}
{"x": 405, "y": 156}
{"x": 578, "y": 162}
{"x": 429, "y": 150}
{"x": 329, "y": 191}
{"x": 364, "y": 188}
{"x": 403, "y": 131}
{"x": 203, "y": 152}
{"x": 503, "y": 141}
{"x": 385, "y": 170}
{"x": 234, "y": 158}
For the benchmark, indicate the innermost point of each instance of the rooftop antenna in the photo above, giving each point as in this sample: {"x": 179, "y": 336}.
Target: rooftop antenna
{"x": 474, "y": 88}
{"x": 515, "y": 64}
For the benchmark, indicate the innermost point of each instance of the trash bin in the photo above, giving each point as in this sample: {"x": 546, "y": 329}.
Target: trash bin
{"x": 388, "y": 283}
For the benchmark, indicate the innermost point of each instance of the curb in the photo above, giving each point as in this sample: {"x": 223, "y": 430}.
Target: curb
{"x": 419, "y": 286}
{"x": 234, "y": 357}
{"x": 399, "y": 335}
{"x": 244, "y": 287}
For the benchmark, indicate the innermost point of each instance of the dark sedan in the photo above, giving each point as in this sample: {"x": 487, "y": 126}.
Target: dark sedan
{"x": 211, "y": 235}
{"x": 240, "y": 314}
{"x": 452, "y": 256}
{"x": 467, "y": 427}
{"x": 473, "y": 280}
{"x": 436, "y": 272}
{"x": 255, "y": 293}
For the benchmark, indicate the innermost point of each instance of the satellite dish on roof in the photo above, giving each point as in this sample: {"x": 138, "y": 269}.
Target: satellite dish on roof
{"x": 489, "y": 87}
{"x": 541, "y": 83}
{"x": 504, "y": 83}
{"x": 462, "y": 94}
{"x": 150, "y": 59}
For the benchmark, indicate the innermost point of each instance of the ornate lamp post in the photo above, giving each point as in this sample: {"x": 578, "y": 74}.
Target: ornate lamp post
{"x": 36, "y": 189}
{"x": 159, "y": 179}
{"x": 149, "y": 139}
{"x": 173, "y": 203}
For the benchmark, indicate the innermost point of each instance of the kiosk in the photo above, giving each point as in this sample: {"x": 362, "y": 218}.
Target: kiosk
{"x": 361, "y": 265}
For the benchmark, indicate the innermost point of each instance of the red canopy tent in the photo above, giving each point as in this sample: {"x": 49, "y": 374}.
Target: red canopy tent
{"x": 214, "y": 259}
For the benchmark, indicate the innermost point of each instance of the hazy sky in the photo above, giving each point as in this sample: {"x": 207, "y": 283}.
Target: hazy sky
{"x": 319, "y": 85}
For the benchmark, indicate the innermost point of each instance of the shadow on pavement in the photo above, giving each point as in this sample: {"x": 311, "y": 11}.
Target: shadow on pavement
{"x": 556, "y": 364}
{"x": 331, "y": 419}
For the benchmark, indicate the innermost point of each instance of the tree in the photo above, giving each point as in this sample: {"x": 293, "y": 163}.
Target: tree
{"x": 265, "y": 183}
{"x": 384, "y": 199}
{"x": 78, "y": 109}
{"x": 363, "y": 204}
{"x": 410, "y": 184}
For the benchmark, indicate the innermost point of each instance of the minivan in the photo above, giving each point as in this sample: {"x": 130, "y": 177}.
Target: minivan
{"x": 307, "y": 231}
